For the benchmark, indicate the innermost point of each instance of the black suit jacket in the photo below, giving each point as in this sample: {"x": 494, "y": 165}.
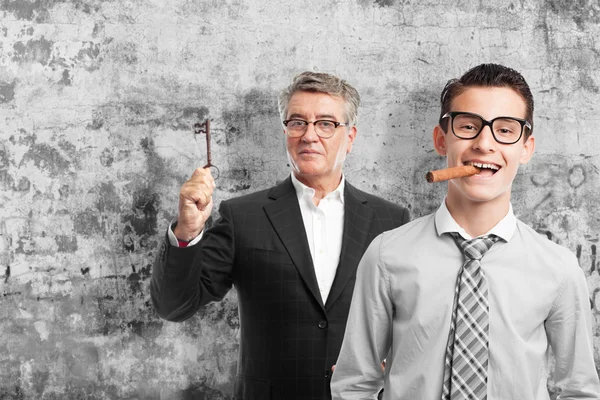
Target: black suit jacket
{"x": 289, "y": 338}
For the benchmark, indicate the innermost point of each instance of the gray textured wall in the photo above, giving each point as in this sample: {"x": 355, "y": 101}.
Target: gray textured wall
{"x": 97, "y": 100}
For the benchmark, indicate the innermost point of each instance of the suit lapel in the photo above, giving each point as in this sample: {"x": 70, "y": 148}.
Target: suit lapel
{"x": 357, "y": 223}
{"x": 284, "y": 214}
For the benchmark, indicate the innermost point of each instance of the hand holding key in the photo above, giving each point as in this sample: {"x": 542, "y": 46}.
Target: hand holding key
{"x": 195, "y": 204}
{"x": 195, "y": 196}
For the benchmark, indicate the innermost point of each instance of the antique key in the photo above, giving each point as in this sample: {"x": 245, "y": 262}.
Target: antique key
{"x": 200, "y": 128}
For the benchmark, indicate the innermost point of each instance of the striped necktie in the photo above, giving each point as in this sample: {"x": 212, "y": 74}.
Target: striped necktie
{"x": 465, "y": 372}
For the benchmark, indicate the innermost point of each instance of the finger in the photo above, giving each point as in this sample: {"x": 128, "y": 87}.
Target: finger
{"x": 203, "y": 206}
{"x": 203, "y": 175}
{"x": 333, "y": 368}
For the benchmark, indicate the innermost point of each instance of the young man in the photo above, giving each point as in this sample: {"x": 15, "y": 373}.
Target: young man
{"x": 476, "y": 323}
{"x": 291, "y": 251}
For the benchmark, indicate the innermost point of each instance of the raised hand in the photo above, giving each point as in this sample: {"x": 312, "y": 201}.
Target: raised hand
{"x": 195, "y": 204}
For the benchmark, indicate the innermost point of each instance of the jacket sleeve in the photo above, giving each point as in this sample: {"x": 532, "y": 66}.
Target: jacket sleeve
{"x": 185, "y": 279}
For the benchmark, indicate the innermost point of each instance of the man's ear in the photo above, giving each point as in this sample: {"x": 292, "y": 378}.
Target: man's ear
{"x": 351, "y": 137}
{"x": 527, "y": 152}
{"x": 439, "y": 140}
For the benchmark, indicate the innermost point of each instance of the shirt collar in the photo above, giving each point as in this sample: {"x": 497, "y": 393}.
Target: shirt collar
{"x": 445, "y": 223}
{"x": 303, "y": 190}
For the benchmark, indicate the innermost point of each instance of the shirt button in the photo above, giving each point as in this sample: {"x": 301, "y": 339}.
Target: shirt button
{"x": 322, "y": 324}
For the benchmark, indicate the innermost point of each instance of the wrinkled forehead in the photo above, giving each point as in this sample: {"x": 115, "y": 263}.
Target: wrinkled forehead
{"x": 308, "y": 104}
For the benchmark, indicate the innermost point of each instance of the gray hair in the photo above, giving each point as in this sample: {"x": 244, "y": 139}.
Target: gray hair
{"x": 324, "y": 83}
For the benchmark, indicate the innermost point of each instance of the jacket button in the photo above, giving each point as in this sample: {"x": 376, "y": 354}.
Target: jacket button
{"x": 322, "y": 324}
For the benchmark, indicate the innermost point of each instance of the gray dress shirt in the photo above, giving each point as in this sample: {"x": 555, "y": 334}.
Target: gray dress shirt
{"x": 402, "y": 306}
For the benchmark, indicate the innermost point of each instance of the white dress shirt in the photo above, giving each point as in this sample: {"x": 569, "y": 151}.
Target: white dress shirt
{"x": 324, "y": 226}
{"x": 402, "y": 307}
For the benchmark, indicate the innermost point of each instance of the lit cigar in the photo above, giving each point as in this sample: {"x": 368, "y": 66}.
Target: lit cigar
{"x": 451, "y": 173}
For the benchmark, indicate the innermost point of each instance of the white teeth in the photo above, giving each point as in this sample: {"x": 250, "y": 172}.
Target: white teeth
{"x": 482, "y": 165}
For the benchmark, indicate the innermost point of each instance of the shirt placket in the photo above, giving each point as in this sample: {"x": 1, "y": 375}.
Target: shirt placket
{"x": 320, "y": 247}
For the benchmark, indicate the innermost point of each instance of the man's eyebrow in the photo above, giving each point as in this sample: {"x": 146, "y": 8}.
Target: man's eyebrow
{"x": 318, "y": 116}
{"x": 326, "y": 116}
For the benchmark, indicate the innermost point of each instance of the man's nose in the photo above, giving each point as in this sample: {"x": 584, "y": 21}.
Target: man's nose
{"x": 485, "y": 141}
{"x": 311, "y": 134}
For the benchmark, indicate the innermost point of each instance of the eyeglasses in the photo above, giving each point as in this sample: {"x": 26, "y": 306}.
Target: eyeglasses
{"x": 505, "y": 130}
{"x": 323, "y": 127}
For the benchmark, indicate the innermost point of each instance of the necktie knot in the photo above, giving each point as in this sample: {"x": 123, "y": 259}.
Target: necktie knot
{"x": 474, "y": 249}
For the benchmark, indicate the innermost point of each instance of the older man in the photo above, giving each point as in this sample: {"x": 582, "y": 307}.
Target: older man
{"x": 291, "y": 251}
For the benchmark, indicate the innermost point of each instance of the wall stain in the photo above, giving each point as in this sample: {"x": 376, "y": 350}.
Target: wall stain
{"x": 97, "y": 120}
{"x": 98, "y": 29}
{"x": 66, "y": 244}
{"x": 7, "y": 91}
{"x": 25, "y": 9}
{"x": 384, "y": 3}
{"x": 4, "y": 157}
{"x": 189, "y": 116}
{"x": 39, "y": 10}
{"x": 23, "y": 186}
{"x": 48, "y": 158}
{"x": 224, "y": 311}
{"x": 38, "y": 50}
{"x": 12, "y": 393}
{"x": 145, "y": 206}
{"x": 577, "y": 176}
{"x": 199, "y": 391}
{"x": 237, "y": 180}
{"x": 107, "y": 198}
{"x": 587, "y": 82}
{"x": 149, "y": 330}
{"x": 89, "y": 55}
{"x": 128, "y": 239}
{"x": 66, "y": 79}
{"x": 250, "y": 115}
{"x": 87, "y": 223}
{"x": 107, "y": 158}
{"x": 580, "y": 11}
{"x": 24, "y": 246}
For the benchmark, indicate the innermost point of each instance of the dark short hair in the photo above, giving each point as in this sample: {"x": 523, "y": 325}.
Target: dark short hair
{"x": 488, "y": 75}
{"x": 324, "y": 83}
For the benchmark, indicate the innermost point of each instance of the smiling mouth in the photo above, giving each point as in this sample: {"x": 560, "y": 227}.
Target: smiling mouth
{"x": 486, "y": 168}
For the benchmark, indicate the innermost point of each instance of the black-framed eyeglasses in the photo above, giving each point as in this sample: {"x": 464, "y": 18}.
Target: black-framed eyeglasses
{"x": 505, "y": 130}
{"x": 323, "y": 127}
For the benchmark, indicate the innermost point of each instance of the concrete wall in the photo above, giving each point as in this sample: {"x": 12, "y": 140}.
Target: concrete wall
{"x": 97, "y": 100}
